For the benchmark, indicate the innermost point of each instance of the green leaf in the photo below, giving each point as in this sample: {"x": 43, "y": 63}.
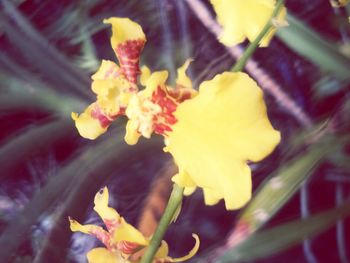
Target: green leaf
{"x": 313, "y": 47}
{"x": 30, "y": 141}
{"x": 274, "y": 240}
{"x": 43, "y": 56}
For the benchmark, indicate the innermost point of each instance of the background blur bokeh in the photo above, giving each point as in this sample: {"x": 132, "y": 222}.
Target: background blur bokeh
{"x": 48, "y": 172}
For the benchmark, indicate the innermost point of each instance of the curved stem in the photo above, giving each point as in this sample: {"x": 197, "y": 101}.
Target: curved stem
{"x": 253, "y": 45}
{"x": 173, "y": 205}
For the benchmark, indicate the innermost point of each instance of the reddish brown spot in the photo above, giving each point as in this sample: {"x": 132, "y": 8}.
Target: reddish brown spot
{"x": 128, "y": 55}
{"x": 112, "y": 72}
{"x": 181, "y": 94}
{"x": 111, "y": 224}
{"x": 97, "y": 113}
{"x": 104, "y": 119}
{"x": 127, "y": 247}
{"x": 103, "y": 236}
{"x": 164, "y": 120}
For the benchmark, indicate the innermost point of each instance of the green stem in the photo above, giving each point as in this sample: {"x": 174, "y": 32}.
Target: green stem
{"x": 253, "y": 45}
{"x": 173, "y": 204}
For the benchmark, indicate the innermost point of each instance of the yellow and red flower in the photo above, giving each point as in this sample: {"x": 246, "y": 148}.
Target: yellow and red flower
{"x": 121, "y": 240}
{"x": 212, "y": 134}
{"x": 113, "y": 85}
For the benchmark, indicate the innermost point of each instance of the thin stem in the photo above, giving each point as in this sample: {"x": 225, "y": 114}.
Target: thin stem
{"x": 253, "y": 45}
{"x": 173, "y": 204}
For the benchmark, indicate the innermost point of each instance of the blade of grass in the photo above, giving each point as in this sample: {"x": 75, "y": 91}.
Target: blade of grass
{"x": 277, "y": 239}
{"x": 313, "y": 47}
{"x": 30, "y": 141}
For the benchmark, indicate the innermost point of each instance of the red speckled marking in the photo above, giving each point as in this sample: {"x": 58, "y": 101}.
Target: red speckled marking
{"x": 127, "y": 247}
{"x": 128, "y": 55}
{"x": 111, "y": 224}
{"x": 103, "y": 236}
{"x": 164, "y": 120}
{"x": 112, "y": 72}
{"x": 97, "y": 114}
{"x": 104, "y": 119}
{"x": 180, "y": 94}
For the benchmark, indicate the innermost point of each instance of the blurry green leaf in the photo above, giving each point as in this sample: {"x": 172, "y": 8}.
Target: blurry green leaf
{"x": 279, "y": 187}
{"x": 79, "y": 179}
{"x": 30, "y": 141}
{"x": 43, "y": 56}
{"x": 313, "y": 47}
{"x": 274, "y": 240}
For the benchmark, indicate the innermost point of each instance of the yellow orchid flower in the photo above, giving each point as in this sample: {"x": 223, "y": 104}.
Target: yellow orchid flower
{"x": 151, "y": 110}
{"x": 112, "y": 84}
{"x": 216, "y": 133}
{"x": 121, "y": 239}
{"x": 245, "y": 19}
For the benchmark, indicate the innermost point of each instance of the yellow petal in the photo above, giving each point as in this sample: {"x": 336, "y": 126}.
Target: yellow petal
{"x": 157, "y": 79}
{"x": 217, "y": 132}
{"x": 101, "y": 207}
{"x": 102, "y": 255}
{"x": 127, "y": 42}
{"x": 107, "y": 70}
{"x": 75, "y": 226}
{"x": 123, "y": 29}
{"x": 243, "y": 19}
{"x": 88, "y": 126}
{"x": 145, "y": 74}
{"x": 182, "y": 79}
{"x": 183, "y": 179}
{"x": 132, "y": 135}
{"x": 127, "y": 232}
{"x": 162, "y": 251}
{"x": 190, "y": 254}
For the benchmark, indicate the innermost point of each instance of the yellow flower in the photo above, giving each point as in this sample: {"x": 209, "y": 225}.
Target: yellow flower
{"x": 151, "y": 110}
{"x": 121, "y": 239}
{"x": 244, "y": 19}
{"x": 216, "y": 133}
{"x": 112, "y": 84}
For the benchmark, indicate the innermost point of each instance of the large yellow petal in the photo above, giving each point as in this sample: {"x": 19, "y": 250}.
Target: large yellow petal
{"x": 217, "y": 132}
{"x": 102, "y": 255}
{"x": 88, "y": 126}
{"x": 243, "y": 19}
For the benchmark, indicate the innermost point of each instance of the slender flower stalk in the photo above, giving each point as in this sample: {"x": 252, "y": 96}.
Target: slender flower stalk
{"x": 239, "y": 66}
{"x": 169, "y": 213}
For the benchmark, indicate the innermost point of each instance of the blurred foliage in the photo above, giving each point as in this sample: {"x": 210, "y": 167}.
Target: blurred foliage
{"x": 49, "y": 49}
